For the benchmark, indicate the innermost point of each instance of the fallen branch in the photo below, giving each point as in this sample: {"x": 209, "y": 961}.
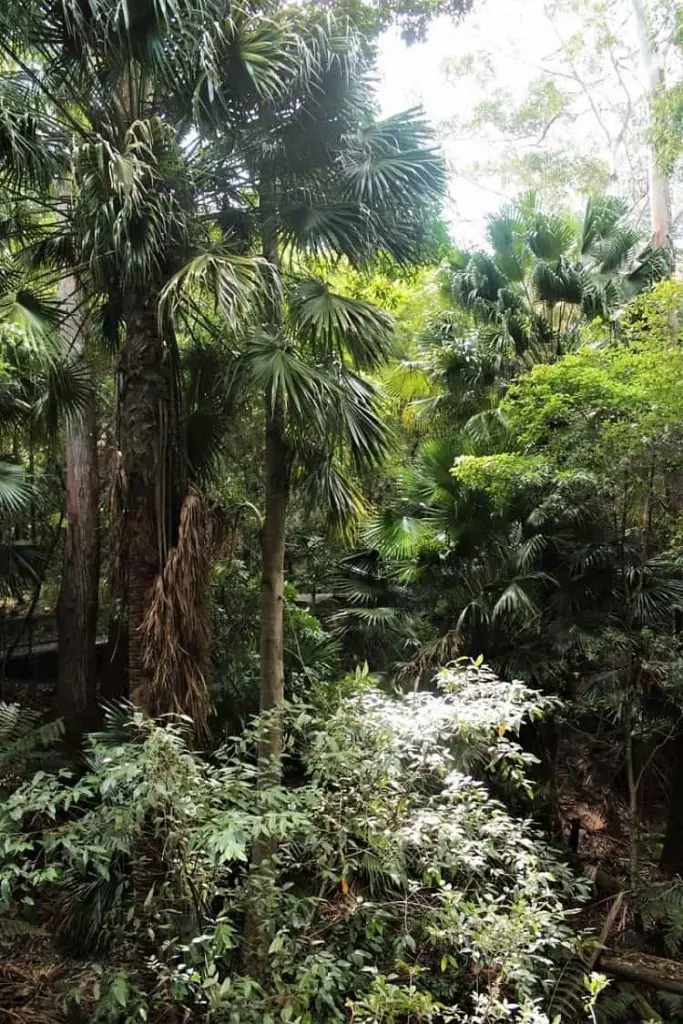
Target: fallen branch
{"x": 606, "y": 930}
{"x": 650, "y": 971}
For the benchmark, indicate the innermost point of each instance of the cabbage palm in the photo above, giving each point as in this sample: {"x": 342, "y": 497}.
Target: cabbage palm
{"x": 545, "y": 275}
{"x": 331, "y": 182}
{"x": 303, "y": 176}
{"x": 115, "y": 95}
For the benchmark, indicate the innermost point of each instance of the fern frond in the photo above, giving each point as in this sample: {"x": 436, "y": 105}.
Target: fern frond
{"x": 22, "y": 734}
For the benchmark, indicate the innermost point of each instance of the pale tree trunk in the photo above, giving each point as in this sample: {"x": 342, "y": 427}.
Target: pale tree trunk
{"x": 272, "y": 693}
{"x": 273, "y": 533}
{"x": 272, "y": 683}
{"x": 78, "y": 597}
{"x": 660, "y": 190}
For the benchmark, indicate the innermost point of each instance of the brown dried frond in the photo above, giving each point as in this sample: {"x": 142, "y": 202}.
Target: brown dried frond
{"x": 26, "y": 992}
{"x": 430, "y": 656}
{"x": 118, "y": 490}
{"x": 176, "y": 628}
{"x": 590, "y": 817}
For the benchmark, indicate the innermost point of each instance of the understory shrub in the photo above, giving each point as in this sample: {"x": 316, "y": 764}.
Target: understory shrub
{"x": 400, "y": 890}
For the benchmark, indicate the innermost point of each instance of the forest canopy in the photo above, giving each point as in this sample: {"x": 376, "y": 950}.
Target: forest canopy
{"x": 341, "y": 551}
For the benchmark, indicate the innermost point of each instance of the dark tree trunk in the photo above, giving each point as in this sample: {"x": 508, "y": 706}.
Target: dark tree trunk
{"x": 144, "y": 418}
{"x": 114, "y": 673}
{"x": 273, "y": 581}
{"x": 78, "y": 597}
{"x": 672, "y": 851}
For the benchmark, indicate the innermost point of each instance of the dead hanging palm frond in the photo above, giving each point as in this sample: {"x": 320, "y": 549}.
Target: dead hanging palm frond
{"x": 431, "y": 655}
{"x": 118, "y": 496}
{"x": 176, "y": 630}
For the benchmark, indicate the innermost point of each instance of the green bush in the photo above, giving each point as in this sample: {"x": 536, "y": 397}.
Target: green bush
{"x": 399, "y": 889}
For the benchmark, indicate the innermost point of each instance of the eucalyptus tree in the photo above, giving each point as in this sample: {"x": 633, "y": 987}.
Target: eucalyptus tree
{"x": 653, "y": 67}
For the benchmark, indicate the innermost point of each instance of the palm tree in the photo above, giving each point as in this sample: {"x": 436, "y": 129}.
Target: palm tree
{"x": 330, "y": 182}
{"x": 118, "y": 95}
{"x": 494, "y": 578}
{"x": 545, "y": 276}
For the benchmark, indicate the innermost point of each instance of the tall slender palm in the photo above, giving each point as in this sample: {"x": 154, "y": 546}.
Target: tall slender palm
{"x": 330, "y": 181}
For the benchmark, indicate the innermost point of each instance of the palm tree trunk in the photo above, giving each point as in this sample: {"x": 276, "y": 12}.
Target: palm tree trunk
{"x": 660, "y": 192}
{"x": 272, "y": 689}
{"x": 78, "y": 598}
{"x": 272, "y": 684}
{"x": 273, "y": 533}
{"x": 272, "y": 693}
{"x": 143, "y": 429}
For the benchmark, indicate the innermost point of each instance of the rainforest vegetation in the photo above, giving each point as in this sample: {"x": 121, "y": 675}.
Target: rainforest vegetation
{"x": 341, "y": 549}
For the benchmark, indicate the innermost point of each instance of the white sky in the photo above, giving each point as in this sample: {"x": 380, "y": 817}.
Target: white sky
{"x": 513, "y": 32}
{"x": 519, "y": 43}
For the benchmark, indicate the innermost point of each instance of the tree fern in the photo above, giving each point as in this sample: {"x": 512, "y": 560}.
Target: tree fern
{"x": 615, "y": 1003}
{"x": 23, "y": 735}
{"x": 662, "y": 904}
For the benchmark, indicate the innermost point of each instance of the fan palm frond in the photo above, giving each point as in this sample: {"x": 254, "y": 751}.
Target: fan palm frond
{"x": 389, "y": 162}
{"x": 15, "y": 491}
{"x": 550, "y": 236}
{"x": 64, "y": 392}
{"x": 36, "y": 315}
{"x": 311, "y": 225}
{"x": 336, "y": 325}
{"x": 603, "y": 214}
{"x": 397, "y": 535}
{"x": 351, "y": 412}
{"x": 326, "y": 486}
{"x": 233, "y": 281}
{"x": 558, "y": 282}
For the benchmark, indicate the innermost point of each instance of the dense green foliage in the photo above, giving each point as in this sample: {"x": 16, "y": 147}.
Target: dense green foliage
{"x": 401, "y": 887}
{"x": 338, "y": 467}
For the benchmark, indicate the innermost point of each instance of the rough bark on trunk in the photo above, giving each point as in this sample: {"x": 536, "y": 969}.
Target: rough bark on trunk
{"x": 672, "y": 850}
{"x": 78, "y": 598}
{"x": 144, "y": 430}
{"x": 660, "y": 193}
